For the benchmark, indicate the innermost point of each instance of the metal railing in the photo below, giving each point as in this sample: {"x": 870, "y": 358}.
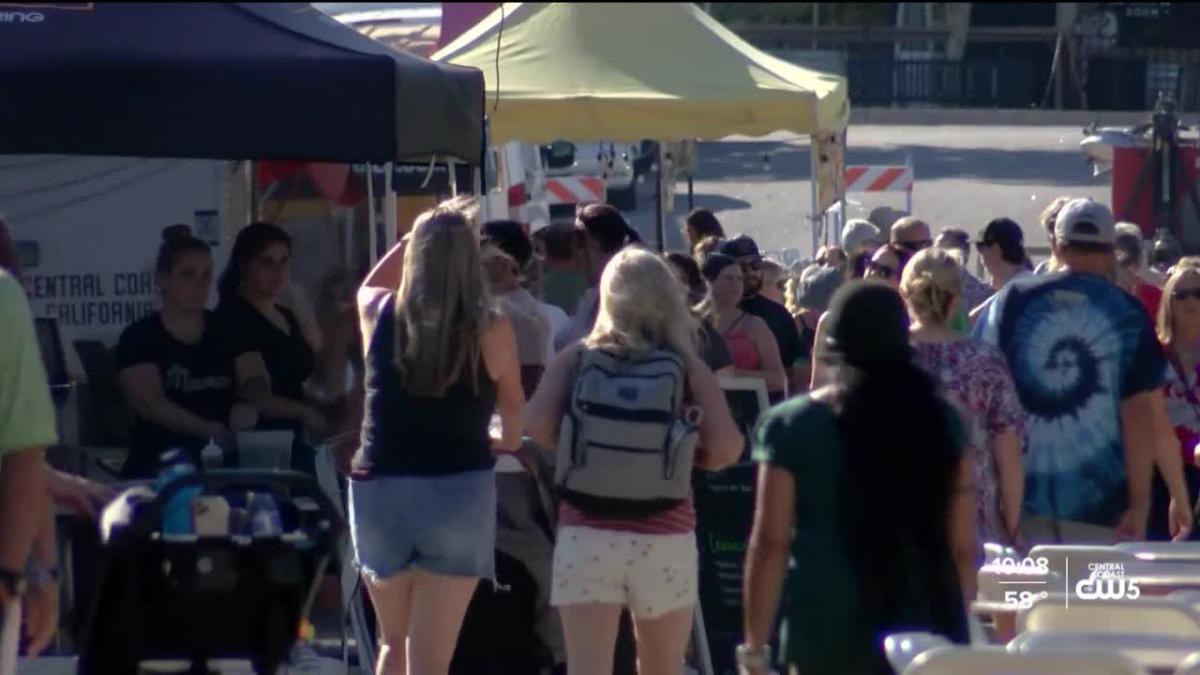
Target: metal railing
{"x": 1011, "y": 83}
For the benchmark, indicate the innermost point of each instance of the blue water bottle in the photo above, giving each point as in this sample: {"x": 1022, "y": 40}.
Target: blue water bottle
{"x": 177, "y": 512}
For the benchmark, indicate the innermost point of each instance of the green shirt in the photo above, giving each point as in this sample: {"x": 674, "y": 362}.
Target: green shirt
{"x": 26, "y": 413}
{"x": 961, "y": 321}
{"x": 822, "y": 631}
{"x": 563, "y": 288}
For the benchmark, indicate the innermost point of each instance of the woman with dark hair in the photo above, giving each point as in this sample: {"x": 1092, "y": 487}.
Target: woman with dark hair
{"x": 710, "y": 345}
{"x": 250, "y": 288}
{"x": 700, "y": 224}
{"x": 874, "y": 512}
{"x": 603, "y": 233}
{"x": 187, "y": 377}
{"x": 751, "y": 343}
{"x": 886, "y": 266}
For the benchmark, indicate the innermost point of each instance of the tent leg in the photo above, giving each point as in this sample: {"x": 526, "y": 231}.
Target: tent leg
{"x": 815, "y": 217}
{"x": 389, "y": 208}
{"x": 661, "y": 212}
{"x": 691, "y": 194}
{"x": 372, "y": 232}
{"x": 251, "y": 194}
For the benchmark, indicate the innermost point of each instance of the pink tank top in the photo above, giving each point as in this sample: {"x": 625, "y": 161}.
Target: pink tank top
{"x": 741, "y": 347}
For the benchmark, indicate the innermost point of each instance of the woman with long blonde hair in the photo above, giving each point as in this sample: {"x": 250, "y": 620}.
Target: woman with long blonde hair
{"x": 974, "y": 376}
{"x": 1178, "y": 328}
{"x": 645, "y": 561}
{"x": 439, "y": 362}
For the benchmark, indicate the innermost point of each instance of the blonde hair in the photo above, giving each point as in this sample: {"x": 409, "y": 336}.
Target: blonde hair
{"x": 930, "y": 283}
{"x": 442, "y": 304}
{"x": 1047, "y": 218}
{"x": 704, "y": 247}
{"x": 1166, "y": 315}
{"x": 791, "y": 296}
{"x": 466, "y": 206}
{"x": 643, "y": 307}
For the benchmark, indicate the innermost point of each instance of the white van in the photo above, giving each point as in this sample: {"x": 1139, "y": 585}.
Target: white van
{"x": 516, "y": 186}
{"x": 612, "y": 161}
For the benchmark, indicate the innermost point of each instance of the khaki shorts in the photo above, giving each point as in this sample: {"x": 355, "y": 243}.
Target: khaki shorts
{"x": 652, "y": 574}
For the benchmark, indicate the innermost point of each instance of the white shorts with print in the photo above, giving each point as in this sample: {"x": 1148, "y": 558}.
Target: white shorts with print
{"x": 652, "y": 574}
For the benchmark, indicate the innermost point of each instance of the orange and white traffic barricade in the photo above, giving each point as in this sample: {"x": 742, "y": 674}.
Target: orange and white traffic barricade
{"x": 576, "y": 190}
{"x": 882, "y": 179}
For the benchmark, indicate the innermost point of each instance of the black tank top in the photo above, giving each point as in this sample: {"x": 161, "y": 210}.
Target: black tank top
{"x": 405, "y": 435}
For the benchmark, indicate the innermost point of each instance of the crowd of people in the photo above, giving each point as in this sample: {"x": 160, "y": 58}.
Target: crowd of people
{"x": 921, "y": 412}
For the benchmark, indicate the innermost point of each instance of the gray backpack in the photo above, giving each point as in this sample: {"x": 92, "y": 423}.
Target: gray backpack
{"x": 627, "y": 442}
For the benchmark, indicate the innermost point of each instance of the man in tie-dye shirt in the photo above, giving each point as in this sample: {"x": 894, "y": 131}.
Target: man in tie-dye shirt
{"x": 1088, "y": 371}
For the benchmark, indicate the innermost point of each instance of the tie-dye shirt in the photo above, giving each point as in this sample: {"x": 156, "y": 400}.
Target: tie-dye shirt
{"x": 1077, "y": 346}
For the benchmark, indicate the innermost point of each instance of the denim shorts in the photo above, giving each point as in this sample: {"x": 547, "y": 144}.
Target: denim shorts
{"x": 440, "y": 524}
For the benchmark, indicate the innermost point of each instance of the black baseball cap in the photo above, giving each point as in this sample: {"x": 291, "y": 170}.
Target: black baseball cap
{"x": 1003, "y": 231}
{"x": 740, "y": 246}
{"x": 1007, "y": 234}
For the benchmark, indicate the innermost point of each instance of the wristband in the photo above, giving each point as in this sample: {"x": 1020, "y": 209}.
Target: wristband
{"x": 40, "y": 577}
{"x": 14, "y": 583}
{"x": 752, "y": 658}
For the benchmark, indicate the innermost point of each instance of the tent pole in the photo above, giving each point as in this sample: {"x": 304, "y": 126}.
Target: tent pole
{"x": 691, "y": 194}
{"x": 389, "y": 208}
{"x": 660, "y": 213}
{"x": 816, "y": 207}
{"x": 251, "y": 193}
{"x": 372, "y": 234}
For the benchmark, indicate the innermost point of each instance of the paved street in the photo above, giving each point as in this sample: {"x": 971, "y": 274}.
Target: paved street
{"x": 966, "y": 175}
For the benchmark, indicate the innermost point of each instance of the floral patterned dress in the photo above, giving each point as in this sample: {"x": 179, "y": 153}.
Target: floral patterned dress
{"x": 975, "y": 377}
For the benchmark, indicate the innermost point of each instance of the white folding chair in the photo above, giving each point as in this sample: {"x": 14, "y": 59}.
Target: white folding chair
{"x": 902, "y": 648}
{"x": 1189, "y": 666}
{"x": 997, "y": 661}
{"x": 1145, "y": 616}
{"x": 1079, "y": 556}
{"x": 1155, "y": 653}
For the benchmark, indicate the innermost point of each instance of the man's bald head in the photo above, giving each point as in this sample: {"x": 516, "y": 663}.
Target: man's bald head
{"x": 911, "y": 233}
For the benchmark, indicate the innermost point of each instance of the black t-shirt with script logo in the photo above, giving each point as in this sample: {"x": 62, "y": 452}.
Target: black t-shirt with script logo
{"x": 199, "y": 377}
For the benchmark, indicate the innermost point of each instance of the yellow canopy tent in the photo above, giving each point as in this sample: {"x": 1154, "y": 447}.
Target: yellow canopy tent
{"x": 632, "y": 71}
{"x": 625, "y": 72}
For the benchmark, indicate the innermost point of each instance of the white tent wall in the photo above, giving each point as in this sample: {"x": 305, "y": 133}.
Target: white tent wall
{"x": 97, "y": 223}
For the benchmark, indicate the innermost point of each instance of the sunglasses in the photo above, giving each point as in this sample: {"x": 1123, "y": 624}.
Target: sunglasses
{"x": 880, "y": 270}
{"x": 980, "y": 245}
{"x": 915, "y": 246}
{"x": 753, "y": 264}
{"x": 1184, "y": 294}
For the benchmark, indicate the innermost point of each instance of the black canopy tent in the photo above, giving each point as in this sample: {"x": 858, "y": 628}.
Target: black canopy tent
{"x": 224, "y": 81}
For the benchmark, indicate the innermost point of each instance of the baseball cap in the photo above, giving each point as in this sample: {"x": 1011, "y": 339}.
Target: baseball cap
{"x": 740, "y": 246}
{"x": 818, "y": 283}
{"x": 1003, "y": 231}
{"x": 952, "y": 237}
{"x": 858, "y": 232}
{"x": 1083, "y": 221}
{"x": 1128, "y": 242}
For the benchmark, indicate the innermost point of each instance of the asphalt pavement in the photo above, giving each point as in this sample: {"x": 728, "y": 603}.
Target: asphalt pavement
{"x": 965, "y": 176}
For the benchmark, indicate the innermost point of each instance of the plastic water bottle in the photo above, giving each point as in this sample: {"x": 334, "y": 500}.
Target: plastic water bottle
{"x": 265, "y": 520}
{"x": 177, "y": 512}
{"x": 212, "y": 456}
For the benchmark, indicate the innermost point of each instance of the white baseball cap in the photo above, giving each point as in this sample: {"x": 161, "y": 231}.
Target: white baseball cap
{"x": 1083, "y": 221}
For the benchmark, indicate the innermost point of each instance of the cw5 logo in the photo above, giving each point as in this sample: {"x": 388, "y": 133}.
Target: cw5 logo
{"x": 1108, "y": 588}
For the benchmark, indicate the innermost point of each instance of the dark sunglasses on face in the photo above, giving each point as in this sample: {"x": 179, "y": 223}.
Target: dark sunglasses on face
{"x": 880, "y": 270}
{"x": 915, "y": 246}
{"x": 981, "y": 245}
{"x": 753, "y": 264}
{"x": 1184, "y": 294}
